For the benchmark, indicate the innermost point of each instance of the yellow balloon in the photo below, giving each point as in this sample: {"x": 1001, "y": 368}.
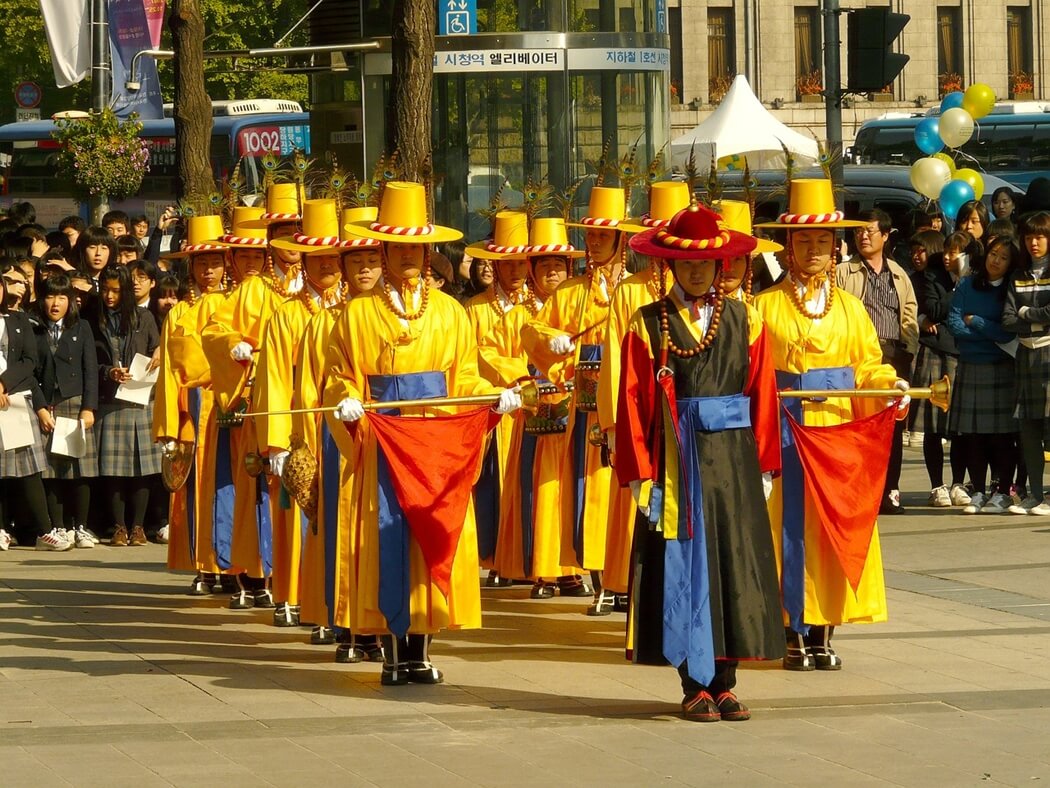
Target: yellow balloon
{"x": 947, "y": 160}
{"x": 978, "y": 100}
{"x": 973, "y": 178}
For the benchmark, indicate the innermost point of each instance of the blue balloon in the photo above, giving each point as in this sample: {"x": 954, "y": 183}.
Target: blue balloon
{"x": 928, "y": 137}
{"x": 952, "y": 100}
{"x": 953, "y": 195}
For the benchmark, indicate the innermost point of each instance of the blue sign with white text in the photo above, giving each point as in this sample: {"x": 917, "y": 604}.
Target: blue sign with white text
{"x": 457, "y": 17}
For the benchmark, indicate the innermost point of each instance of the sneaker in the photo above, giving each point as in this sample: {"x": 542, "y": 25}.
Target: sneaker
{"x": 71, "y": 534}
{"x": 162, "y": 535}
{"x": 958, "y": 495}
{"x": 1025, "y": 506}
{"x": 976, "y": 503}
{"x": 91, "y": 534}
{"x": 891, "y": 503}
{"x": 1041, "y": 510}
{"x": 939, "y": 496}
{"x": 5, "y": 541}
{"x": 138, "y": 537}
{"x": 120, "y": 537}
{"x": 54, "y": 539}
{"x": 997, "y": 504}
{"x": 82, "y": 539}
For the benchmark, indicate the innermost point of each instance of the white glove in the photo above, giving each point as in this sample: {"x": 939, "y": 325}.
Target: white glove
{"x": 610, "y": 441}
{"x": 242, "y": 351}
{"x": 349, "y": 409}
{"x": 561, "y": 345}
{"x": 277, "y": 461}
{"x": 767, "y": 484}
{"x": 902, "y": 385}
{"x": 509, "y": 400}
{"x": 636, "y": 491}
{"x": 168, "y": 447}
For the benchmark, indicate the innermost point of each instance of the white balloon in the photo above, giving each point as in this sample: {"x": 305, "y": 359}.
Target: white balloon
{"x": 929, "y": 175}
{"x": 956, "y": 127}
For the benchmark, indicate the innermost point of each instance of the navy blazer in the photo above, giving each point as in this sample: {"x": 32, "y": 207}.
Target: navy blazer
{"x": 936, "y": 304}
{"x": 144, "y": 340}
{"x": 20, "y": 374}
{"x": 72, "y": 370}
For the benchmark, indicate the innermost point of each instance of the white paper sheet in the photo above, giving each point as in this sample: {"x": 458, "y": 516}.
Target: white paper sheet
{"x": 69, "y": 438}
{"x": 140, "y": 387}
{"x": 16, "y": 423}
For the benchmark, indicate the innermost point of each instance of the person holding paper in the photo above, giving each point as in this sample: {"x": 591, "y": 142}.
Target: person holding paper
{"x": 126, "y": 340}
{"x": 22, "y": 459}
{"x": 68, "y": 375}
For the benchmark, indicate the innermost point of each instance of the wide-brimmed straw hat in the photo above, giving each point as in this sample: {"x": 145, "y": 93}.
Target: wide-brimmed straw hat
{"x": 349, "y": 216}
{"x": 245, "y": 233}
{"x": 403, "y": 218}
{"x": 510, "y": 238}
{"x": 737, "y": 216}
{"x": 811, "y": 205}
{"x": 606, "y": 209}
{"x": 282, "y": 205}
{"x": 666, "y": 199}
{"x": 319, "y": 232}
{"x": 203, "y": 234}
{"x": 549, "y": 237}
{"x": 696, "y": 233}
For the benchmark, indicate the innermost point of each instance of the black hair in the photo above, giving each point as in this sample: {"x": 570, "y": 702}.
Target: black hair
{"x": 22, "y": 213}
{"x": 93, "y": 236}
{"x": 930, "y": 240}
{"x": 57, "y": 241}
{"x": 128, "y": 243}
{"x": 167, "y": 283}
{"x": 72, "y": 222}
{"x": 127, "y": 308}
{"x": 878, "y": 215}
{"x": 138, "y": 218}
{"x": 59, "y": 284}
{"x": 17, "y": 246}
{"x": 980, "y": 267}
{"x": 1009, "y": 193}
{"x": 12, "y": 265}
{"x": 999, "y": 228}
{"x": 146, "y": 266}
{"x": 971, "y": 207}
{"x": 115, "y": 217}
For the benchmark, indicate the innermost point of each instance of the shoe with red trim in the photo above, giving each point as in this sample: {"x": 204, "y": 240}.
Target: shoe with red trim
{"x": 701, "y": 707}
{"x": 732, "y": 710}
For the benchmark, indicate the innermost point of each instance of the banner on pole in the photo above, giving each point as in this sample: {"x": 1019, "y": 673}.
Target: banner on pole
{"x": 132, "y": 25}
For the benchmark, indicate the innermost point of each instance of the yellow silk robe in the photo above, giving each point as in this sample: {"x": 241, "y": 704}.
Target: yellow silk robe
{"x": 241, "y": 318}
{"x": 503, "y": 361}
{"x": 578, "y": 305}
{"x": 843, "y": 338}
{"x": 184, "y": 367}
{"x": 274, "y": 390}
{"x": 368, "y": 339}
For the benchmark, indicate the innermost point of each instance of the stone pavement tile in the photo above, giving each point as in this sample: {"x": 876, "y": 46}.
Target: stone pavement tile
{"x": 94, "y": 764}
{"x": 175, "y": 754}
{"x": 382, "y": 762}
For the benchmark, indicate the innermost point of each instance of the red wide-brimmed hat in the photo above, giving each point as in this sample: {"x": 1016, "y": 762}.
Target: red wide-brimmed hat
{"x": 695, "y": 233}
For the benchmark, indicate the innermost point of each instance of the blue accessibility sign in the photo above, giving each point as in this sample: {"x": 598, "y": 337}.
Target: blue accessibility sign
{"x": 457, "y": 17}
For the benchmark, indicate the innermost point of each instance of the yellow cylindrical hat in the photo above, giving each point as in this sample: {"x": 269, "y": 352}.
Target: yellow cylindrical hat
{"x": 203, "y": 234}
{"x": 737, "y": 216}
{"x": 319, "y": 231}
{"x": 510, "y": 238}
{"x": 607, "y": 208}
{"x": 666, "y": 198}
{"x": 811, "y": 205}
{"x": 246, "y": 230}
{"x": 403, "y": 218}
{"x": 282, "y": 204}
{"x": 351, "y": 215}
{"x": 549, "y": 237}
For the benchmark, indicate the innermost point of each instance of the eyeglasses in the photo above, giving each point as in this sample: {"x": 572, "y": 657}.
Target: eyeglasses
{"x": 867, "y": 231}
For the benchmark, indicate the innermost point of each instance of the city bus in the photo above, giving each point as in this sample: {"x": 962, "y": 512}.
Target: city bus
{"x": 1013, "y": 142}
{"x": 241, "y": 131}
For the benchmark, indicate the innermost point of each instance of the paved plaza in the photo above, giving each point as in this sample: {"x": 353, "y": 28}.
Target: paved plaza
{"x": 110, "y": 675}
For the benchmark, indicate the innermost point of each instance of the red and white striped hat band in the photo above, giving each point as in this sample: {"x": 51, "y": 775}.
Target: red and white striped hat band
{"x": 361, "y": 243}
{"x": 238, "y": 240}
{"x": 281, "y": 217}
{"x": 497, "y": 249}
{"x": 209, "y": 247}
{"x": 648, "y": 221}
{"x": 811, "y": 218}
{"x": 313, "y": 240}
{"x": 390, "y": 229}
{"x": 594, "y": 222}
{"x": 664, "y": 238}
{"x": 550, "y": 249}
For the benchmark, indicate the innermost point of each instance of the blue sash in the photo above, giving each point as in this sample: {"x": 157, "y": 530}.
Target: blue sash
{"x": 330, "y": 491}
{"x": 687, "y": 633}
{"x": 486, "y": 501}
{"x": 793, "y": 551}
{"x": 393, "y": 529}
{"x": 194, "y": 399}
{"x": 579, "y": 457}
{"x": 222, "y": 507}
{"x": 525, "y": 480}
{"x": 263, "y": 523}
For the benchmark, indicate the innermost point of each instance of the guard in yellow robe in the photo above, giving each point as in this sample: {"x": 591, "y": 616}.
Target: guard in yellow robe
{"x": 184, "y": 403}
{"x": 820, "y": 338}
{"x": 506, "y": 249}
{"x": 564, "y": 342}
{"x": 231, "y": 342}
{"x": 529, "y": 541}
{"x": 401, "y": 341}
{"x": 738, "y": 274}
{"x": 318, "y": 243}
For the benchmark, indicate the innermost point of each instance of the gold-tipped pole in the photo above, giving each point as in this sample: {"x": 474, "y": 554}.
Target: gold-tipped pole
{"x": 939, "y": 393}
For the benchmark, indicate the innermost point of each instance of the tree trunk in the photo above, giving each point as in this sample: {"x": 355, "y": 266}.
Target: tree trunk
{"x": 412, "y": 81}
{"x": 192, "y": 104}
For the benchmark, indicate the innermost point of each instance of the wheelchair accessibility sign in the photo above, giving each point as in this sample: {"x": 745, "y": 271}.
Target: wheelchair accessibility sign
{"x": 457, "y": 17}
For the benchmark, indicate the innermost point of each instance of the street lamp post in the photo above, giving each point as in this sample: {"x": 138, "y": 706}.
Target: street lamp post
{"x": 101, "y": 85}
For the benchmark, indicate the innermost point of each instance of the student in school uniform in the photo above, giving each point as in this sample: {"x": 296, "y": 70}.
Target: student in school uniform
{"x": 68, "y": 376}
{"x": 127, "y": 453}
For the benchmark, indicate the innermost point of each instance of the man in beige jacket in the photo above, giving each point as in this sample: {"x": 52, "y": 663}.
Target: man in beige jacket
{"x": 890, "y": 301}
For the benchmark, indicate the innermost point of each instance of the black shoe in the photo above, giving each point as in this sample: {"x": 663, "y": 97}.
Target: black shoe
{"x": 394, "y": 675}
{"x": 824, "y": 658}
{"x": 373, "y": 652}
{"x": 541, "y": 591}
{"x": 603, "y": 604}
{"x": 285, "y": 615}
{"x": 348, "y": 654}
{"x": 322, "y": 636}
{"x": 573, "y": 586}
{"x": 730, "y": 709}
{"x": 242, "y": 600}
{"x": 263, "y": 598}
{"x": 622, "y": 604}
{"x": 424, "y": 673}
{"x": 798, "y": 659}
{"x": 199, "y": 587}
{"x": 495, "y": 581}
{"x": 224, "y": 584}
{"x": 701, "y": 707}
{"x": 891, "y": 504}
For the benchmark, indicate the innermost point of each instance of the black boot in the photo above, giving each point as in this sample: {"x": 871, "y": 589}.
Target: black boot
{"x": 604, "y": 601}
{"x": 797, "y": 657}
{"x": 395, "y": 668}
{"x": 818, "y": 647}
{"x": 420, "y": 668}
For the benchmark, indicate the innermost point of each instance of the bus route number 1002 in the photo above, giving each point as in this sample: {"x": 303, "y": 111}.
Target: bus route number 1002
{"x": 259, "y": 140}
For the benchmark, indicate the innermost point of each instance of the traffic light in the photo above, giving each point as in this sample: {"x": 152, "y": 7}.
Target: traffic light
{"x": 871, "y": 63}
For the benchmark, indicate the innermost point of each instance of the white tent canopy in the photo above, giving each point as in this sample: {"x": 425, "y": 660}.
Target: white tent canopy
{"x": 742, "y": 126}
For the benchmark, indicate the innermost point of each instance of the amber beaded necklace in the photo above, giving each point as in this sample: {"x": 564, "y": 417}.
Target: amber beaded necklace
{"x": 519, "y": 296}
{"x": 800, "y": 305}
{"x": 387, "y": 291}
{"x": 709, "y": 335}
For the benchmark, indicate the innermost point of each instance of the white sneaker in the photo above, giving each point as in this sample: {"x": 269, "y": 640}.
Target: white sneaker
{"x": 5, "y": 541}
{"x": 54, "y": 539}
{"x": 71, "y": 535}
{"x": 1042, "y": 509}
{"x": 162, "y": 535}
{"x": 975, "y": 504}
{"x": 916, "y": 440}
{"x": 91, "y": 534}
{"x": 958, "y": 495}
{"x": 939, "y": 496}
{"x": 1024, "y": 507}
{"x": 82, "y": 539}
{"x": 997, "y": 504}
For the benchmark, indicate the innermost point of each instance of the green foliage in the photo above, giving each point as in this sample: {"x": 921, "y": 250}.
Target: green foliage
{"x": 102, "y": 155}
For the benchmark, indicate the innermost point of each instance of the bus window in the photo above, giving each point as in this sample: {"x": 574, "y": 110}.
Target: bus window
{"x": 1001, "y": 146}
{"x": 1040, "y": 156}
{"x": 893, "y": 146}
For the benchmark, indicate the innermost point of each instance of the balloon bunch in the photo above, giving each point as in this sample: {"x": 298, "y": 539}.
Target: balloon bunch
{"x": 935, "y": 176}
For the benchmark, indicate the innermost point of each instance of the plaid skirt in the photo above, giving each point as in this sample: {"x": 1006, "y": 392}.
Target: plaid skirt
{"x": 983, "y": 399}
{"x": 125, "y": 440}
{"x": 18, "y": 463}
{"x": 61, "y": 467}
{"x": 1033, "y": 379}
{"x": 931, "y": 365}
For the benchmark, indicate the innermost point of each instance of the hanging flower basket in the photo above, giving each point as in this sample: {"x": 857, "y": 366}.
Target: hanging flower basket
{"x": 102, "y": 154}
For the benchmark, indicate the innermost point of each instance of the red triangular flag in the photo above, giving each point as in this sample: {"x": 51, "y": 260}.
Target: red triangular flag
{"x": 434, "y": 464}
{"x": 844, "y": 466}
